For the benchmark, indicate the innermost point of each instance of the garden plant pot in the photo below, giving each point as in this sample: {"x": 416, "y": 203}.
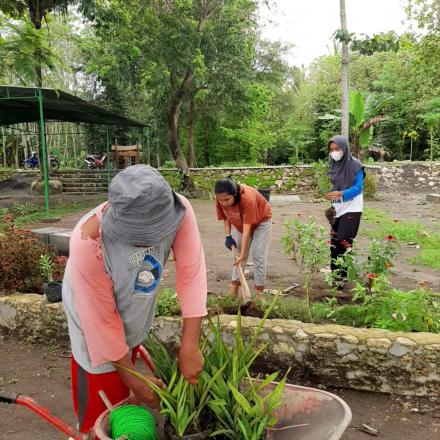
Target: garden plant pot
{"x": 197, "y": 436}
{"x": 265, "y": 192}
{"x": 53, "y": 291}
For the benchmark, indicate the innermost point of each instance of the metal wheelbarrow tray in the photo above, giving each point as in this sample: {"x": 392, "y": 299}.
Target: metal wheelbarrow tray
{"x": 305, "y": 414}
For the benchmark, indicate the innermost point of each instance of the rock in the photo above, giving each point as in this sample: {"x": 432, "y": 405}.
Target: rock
{"x": 55, "y": 187}
{"x": 433, "y": 198}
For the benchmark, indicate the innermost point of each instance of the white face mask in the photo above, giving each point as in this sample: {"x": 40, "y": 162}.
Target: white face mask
{"x": 336, "y": 155}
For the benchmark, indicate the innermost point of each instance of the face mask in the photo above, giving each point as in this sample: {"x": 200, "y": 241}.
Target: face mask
{"x": 336, "y": 155}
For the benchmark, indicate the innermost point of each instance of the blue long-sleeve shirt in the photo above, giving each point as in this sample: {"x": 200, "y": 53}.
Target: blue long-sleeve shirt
{"x": 356, "y": 189}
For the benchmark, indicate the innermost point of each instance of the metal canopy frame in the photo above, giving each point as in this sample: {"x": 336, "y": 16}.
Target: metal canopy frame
{"x": 29, "y": 103}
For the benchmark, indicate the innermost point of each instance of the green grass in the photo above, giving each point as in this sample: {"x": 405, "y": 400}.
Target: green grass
{"x": 406, "y": 232}
{"x": 55, "y": 212}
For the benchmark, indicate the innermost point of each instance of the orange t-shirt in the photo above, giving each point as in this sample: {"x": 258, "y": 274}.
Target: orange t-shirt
{"x": 252, "y": 209}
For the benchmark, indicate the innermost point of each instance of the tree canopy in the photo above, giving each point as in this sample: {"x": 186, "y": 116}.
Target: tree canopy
{"x": 214, "y": 91}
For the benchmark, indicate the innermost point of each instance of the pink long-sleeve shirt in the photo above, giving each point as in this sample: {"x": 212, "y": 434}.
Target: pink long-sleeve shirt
{"x": 106, "y": 314}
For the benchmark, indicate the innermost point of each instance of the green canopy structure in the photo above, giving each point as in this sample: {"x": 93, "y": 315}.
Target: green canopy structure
{"x": 29, "y": 104}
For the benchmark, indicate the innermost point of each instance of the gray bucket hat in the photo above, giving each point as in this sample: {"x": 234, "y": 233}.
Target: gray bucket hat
{"x": 143, "y": 208}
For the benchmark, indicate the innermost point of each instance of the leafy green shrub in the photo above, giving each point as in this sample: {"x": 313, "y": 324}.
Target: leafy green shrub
{"x": 20, "y": 252}
{"x": 169, "y": 164}
{"x": 370, "y": 185}
{"x": 308, "y": 244}
{"x": 413, "y": 311}
{"x": 349, "y": 314}
{"x": 322, "y": 180}
{"x": 20, "y": 209}
{"x": 167, "y": 303}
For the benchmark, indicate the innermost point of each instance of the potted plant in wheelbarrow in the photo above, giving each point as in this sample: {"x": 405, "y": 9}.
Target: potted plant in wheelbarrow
{"x": 227, "y": 403}
{"x": 52, "y": 289}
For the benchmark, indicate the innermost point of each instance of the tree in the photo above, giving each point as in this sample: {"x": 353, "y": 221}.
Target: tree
{"x": 412, "y": 135}
{"x": 344, "y": 70}
{"x": 36, "y": 11}
{"x": 204, "y": 56}
{"x": 432, "y": 120}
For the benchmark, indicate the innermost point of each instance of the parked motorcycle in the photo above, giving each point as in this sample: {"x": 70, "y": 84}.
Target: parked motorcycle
{"x": 32, "y": 162}
{"x": 96, "y": 161}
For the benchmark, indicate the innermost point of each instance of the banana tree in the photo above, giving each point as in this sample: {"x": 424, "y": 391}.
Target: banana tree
{"x": 363, "y": 118}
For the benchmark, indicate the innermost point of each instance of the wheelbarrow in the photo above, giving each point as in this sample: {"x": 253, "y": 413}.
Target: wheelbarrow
{"x": 305, "y": 414}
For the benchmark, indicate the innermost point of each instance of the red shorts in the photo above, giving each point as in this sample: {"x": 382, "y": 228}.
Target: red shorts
{"x": 87, "y": 404}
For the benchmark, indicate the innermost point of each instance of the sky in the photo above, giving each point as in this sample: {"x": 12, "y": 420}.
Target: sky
{"x": 309, "y": 24}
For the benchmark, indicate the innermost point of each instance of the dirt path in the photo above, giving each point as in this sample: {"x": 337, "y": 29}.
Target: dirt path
{"x": 281, "y": 270}
{"x": 43, "y": 373}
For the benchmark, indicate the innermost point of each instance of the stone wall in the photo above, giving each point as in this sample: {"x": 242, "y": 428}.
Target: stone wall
{"x": 364, "y": 359}
{"x": 391, "y": 176}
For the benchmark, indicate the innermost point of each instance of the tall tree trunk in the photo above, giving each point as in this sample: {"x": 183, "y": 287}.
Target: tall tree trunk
{"x": 37, "y": 15}
{"x": 431, "y": 131}
{"x": 5, "y": 163}
{"x": 411, "y": 149}
{"x": 173, "y": 127}
{"x": 344, "y": 73}
{"x": 191, "y": 133}
{"x": 17, "y": 163}
{"x": 355, "y": 147}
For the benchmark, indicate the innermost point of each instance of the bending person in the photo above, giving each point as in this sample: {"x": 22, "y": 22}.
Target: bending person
{"x": 117, "y": 254}
{"x": 247, "y": 218}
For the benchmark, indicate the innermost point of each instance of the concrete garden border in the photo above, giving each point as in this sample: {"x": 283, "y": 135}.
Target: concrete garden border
{"x": 363, "y": 359}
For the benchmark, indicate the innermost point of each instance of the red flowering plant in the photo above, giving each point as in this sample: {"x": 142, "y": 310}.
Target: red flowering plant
{"x": 381, "y": 255}
{"x": 20, "y": 252}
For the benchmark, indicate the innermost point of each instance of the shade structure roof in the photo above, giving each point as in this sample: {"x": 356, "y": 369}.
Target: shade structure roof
{"x": 21, "y": 104}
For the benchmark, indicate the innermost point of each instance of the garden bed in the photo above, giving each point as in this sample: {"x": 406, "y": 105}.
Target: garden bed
{"x": 366, "y": 359}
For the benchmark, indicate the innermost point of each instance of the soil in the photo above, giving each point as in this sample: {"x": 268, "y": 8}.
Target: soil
{"x": 43, "y": 373}
{"x": 282, "y": 271}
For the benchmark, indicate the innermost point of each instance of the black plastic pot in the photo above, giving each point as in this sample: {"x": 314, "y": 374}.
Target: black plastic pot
{"x": 265, "y": 192}
{"x": 204, "y": 435}
{"x": 53, "y": 291}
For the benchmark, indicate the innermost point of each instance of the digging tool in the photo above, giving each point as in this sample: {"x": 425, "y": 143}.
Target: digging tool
{"x": 245, "y": 293}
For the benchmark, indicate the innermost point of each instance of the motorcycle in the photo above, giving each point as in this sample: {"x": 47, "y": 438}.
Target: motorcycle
{"x": 32, "y": 162}
{"x": 96, "y": 161}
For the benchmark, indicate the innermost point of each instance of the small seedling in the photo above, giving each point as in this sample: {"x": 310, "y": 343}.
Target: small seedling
{"x": 46, "y": 267}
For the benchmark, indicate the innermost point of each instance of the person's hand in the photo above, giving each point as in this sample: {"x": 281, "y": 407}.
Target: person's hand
{"x": 229, "y": 242}
{"x": 144, "y": 394}
{"x": 334, "y": 195}
{"x": 239, "y": 260}
{"x": 191, "y": 362}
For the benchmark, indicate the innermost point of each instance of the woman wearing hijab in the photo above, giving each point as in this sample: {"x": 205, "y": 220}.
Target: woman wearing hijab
{"x": 347, "y": 178}
{"x": 247, "y": 218}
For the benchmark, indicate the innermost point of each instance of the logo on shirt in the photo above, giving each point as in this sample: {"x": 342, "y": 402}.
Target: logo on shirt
{"x": 139, "y": 256}
{"x": 148, "y": 277}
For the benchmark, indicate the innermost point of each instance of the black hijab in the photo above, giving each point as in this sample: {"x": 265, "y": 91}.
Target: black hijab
{"x": 342, "y": 173}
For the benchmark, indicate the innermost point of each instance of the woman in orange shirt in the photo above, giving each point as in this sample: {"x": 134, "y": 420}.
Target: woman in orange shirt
{"x": 247, "y": 218}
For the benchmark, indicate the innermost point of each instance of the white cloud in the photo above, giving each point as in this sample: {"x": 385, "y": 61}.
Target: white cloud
{"x": 309, "y": 24}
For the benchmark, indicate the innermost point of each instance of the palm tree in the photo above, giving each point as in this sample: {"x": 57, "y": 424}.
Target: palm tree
{"x": 412, "y": 135}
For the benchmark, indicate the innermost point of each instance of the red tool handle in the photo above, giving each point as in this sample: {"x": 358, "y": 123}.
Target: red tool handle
{"x": 44, "y": 413}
